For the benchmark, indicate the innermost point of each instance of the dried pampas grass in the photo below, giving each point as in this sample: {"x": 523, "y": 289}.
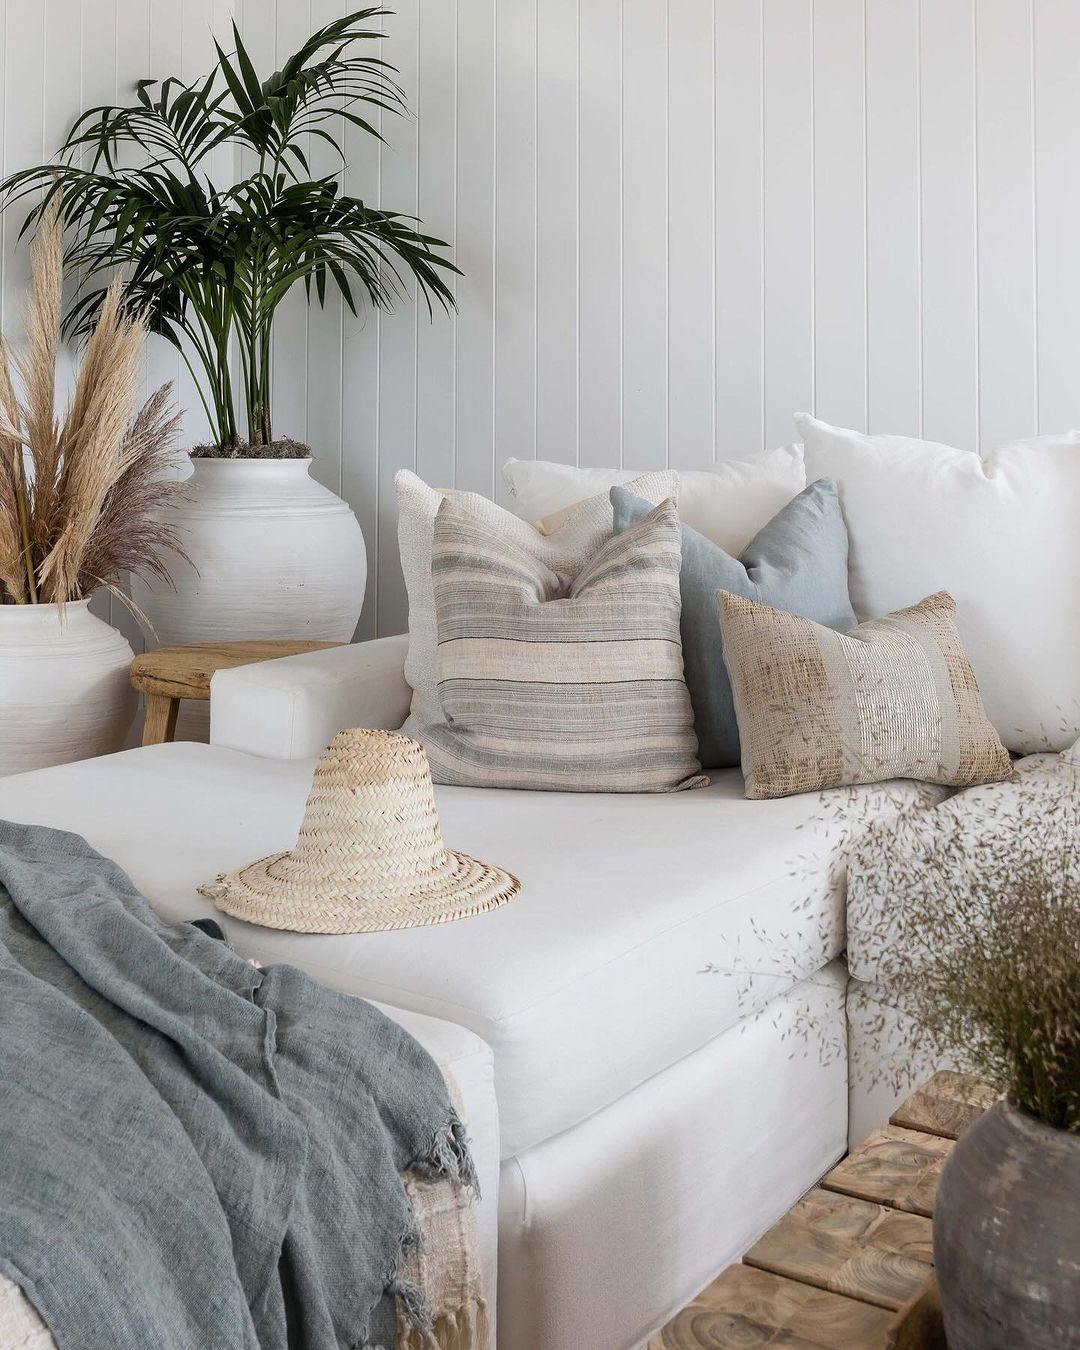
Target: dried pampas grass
{"x": 90, "y": 506}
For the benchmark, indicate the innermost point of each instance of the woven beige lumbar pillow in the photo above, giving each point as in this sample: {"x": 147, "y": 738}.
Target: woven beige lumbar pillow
{"x": 370, "y": 855}
{"x": 893, "y": 698}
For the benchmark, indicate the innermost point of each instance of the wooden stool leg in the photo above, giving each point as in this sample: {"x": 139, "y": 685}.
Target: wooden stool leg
{"x": 160, "y": 724}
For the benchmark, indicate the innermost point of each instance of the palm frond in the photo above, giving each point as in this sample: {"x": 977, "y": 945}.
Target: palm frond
{"x": 207, "y": 267}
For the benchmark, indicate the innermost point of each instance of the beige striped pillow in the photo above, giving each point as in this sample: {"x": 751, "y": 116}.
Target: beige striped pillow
{"x": 570, "y": 684}
{"x": 565, "y": 550}
{"x": 892, "y": 698}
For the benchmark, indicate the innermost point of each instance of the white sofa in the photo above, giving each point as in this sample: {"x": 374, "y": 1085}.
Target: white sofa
{"x": 663, "y": 1003}
{"x": 668, "y": 1004}
{"x": 663, "y": 1009}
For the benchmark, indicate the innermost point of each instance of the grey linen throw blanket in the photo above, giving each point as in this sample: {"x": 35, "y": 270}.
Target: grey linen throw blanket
{"x": 195, "y": 1153}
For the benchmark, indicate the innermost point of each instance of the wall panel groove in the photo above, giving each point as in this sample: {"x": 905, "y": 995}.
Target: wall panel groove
{"x": 679, "y": 222}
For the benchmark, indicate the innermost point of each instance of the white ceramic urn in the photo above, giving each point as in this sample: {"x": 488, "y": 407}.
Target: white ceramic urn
{"x": 64, "y": 690}
{"x": 275, "y": 555}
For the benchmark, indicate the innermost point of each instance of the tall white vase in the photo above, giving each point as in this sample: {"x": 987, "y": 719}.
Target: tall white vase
{"x": 64, "y": 690}
{"x": 275, "y": 554}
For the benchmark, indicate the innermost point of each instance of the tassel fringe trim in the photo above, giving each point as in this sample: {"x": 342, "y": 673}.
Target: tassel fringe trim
{"x": 448, "y": 1155}
{"x": 465, "y": 1329}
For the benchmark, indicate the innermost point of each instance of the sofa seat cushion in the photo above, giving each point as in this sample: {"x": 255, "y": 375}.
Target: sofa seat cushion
{"x": 982, "y": 820}
{"x": 646, "y": 925}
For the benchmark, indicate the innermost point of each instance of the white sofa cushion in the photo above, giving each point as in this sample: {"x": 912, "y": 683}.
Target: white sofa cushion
{"x": 882, "y": 1068}
{"x": 645, "y": 927}
{"x": 294, "y": 706}
{"x": 728, "y": 504}
{"x": 985, "y": 818}
{"x": 998, "y": 533}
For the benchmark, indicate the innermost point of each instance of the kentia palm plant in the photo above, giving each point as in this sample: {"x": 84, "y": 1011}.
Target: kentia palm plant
{"x": 152, "y": 190}
{"x": 210, "y": 264}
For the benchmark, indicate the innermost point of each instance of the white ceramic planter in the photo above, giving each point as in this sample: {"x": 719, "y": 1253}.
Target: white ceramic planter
{"x": 64, "y": 691}
{"x": 275, "y": 554}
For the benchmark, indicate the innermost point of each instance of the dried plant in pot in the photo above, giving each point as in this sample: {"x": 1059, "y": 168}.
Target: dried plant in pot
{"x": 80, "y": 503}
{"x": 980, "y": 916}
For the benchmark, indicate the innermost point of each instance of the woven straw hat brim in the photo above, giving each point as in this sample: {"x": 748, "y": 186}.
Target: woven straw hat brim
{"x": 462, "y": 887}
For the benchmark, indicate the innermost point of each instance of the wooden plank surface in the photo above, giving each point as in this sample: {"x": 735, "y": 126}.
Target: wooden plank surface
{"x": 849, "y": 1246}
{"x": 185, "y": 672}
{"x": 948, "y": 1105}
{"x": 746, "y": 1307}
{"x": 894, "y": 1167}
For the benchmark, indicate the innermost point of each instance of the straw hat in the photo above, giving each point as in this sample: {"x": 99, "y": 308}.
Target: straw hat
{"x": 370, "y": 855}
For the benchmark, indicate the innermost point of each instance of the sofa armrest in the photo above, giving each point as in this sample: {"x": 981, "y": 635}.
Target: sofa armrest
{"x": 293, "y": 707}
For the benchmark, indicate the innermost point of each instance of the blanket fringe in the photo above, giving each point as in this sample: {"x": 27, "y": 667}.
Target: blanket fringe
{"x": 448, "y": 1155}
{"x": 467, "y": 1328}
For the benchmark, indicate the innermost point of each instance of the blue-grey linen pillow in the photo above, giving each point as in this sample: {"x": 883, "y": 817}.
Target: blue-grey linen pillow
{"x": 798, "y": 562}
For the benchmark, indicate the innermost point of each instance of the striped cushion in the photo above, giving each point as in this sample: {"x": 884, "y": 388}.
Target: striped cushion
{"x": 570, "y": 684}
{"x": 892, "y": 698}
{"x": 566, "y": 551}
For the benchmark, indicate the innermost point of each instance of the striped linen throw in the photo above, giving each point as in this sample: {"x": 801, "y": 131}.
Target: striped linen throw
{"x": 549, "y": 682}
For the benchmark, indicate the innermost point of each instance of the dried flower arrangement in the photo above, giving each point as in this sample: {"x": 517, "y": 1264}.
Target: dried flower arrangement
{"x": 978, "y": 913}
{"x": 80, "y": 499}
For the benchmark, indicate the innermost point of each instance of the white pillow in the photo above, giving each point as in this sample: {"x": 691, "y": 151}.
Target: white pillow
{"x": 1001, "y": 534}
{"x": 566, "y": 551}
{"x": 727, "y": 504}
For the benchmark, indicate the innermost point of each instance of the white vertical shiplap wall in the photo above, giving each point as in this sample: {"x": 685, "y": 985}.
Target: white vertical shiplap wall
{"x": 59, "y": 57}
{"x": 679, "y": 221}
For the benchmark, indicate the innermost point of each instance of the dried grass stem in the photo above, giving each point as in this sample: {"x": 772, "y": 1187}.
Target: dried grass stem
{"x": 81, "y": 500}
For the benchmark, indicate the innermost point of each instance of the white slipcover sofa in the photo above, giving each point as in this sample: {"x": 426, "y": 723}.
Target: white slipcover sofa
{"x": 653, "y": 1039}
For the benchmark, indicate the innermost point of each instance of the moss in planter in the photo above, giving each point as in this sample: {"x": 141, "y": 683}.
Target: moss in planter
{"x": 283, "y": 449}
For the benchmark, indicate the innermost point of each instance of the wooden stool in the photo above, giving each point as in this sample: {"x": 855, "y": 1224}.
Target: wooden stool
{"x": 172, "y": 673}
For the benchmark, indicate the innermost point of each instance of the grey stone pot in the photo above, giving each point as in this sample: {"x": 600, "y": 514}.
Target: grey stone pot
{"x": 1007, "y": 1236}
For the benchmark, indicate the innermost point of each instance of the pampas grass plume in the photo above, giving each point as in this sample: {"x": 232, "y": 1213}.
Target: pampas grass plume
{"x": 81, "y": 500}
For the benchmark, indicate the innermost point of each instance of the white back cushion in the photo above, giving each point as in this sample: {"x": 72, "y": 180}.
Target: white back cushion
{"x": 1001, "y": 533}
{"x": 728, "y": 504}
